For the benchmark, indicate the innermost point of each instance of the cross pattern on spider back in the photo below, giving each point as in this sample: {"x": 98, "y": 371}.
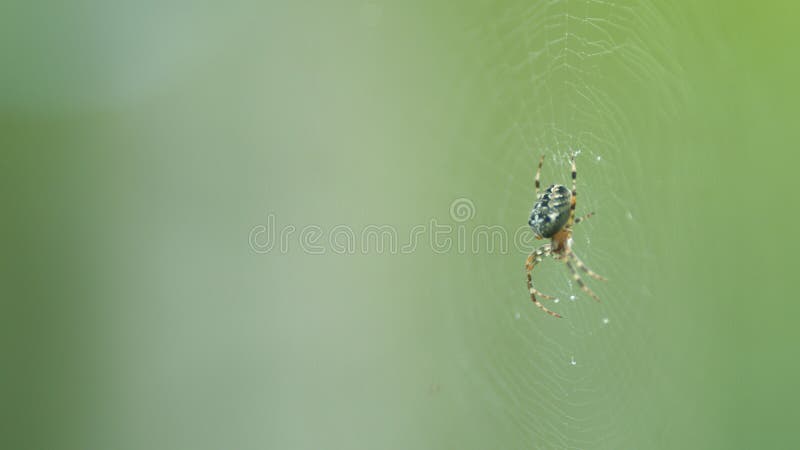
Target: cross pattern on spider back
{"x": 549, "y": 219}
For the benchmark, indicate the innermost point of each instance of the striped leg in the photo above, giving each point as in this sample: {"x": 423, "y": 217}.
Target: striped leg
{"x": 574, "y": 199}
{"x": 538, "y": 172}
{"x": 534, "y": 258}
{"x": 530, "y": 263}
{"x": 583, "y": 267}
{"x": 578, "y": 280}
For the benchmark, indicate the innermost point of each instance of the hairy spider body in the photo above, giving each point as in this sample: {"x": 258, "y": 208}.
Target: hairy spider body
{"x": 552, "y": 218}
{"x": 551, "y": 211}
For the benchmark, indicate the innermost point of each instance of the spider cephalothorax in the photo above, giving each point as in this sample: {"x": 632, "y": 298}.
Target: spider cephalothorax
{"x": 552, "y": 217}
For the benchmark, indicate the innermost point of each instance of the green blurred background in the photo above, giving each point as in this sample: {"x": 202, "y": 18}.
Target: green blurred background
{"x": 144, "y": 142}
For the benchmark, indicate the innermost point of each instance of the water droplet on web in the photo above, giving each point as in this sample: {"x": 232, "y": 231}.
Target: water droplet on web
{"x": 572, "y": 361}
{"x": 572, "y": 297}
{"x": 599, "y": 158}
{"x": 605, "y": 320}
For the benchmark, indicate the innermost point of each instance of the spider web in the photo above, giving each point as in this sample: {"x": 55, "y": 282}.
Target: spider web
{"x": 558, "y": 76}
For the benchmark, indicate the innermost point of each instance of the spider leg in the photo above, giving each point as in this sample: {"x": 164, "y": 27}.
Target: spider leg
{"x": 535, "y": 291}
{"x": 578, "y": 280}
{"x": 530, "y": 263}
{"x": 583, "y": 267}
{"x": 538, "y": 172}
{"x": 574, "y": 197}
{"x": 534, "y": 258}
{"x": 581, "y": 219}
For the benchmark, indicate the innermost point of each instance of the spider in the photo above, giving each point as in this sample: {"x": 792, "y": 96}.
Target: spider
{"x": 552, "y": 217}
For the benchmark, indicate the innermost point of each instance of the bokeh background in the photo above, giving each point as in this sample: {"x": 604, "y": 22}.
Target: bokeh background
{"x": 143, "y": 143}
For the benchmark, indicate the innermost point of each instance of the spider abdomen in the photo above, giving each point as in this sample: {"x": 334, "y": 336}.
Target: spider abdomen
{"x": 551, "y": 211}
